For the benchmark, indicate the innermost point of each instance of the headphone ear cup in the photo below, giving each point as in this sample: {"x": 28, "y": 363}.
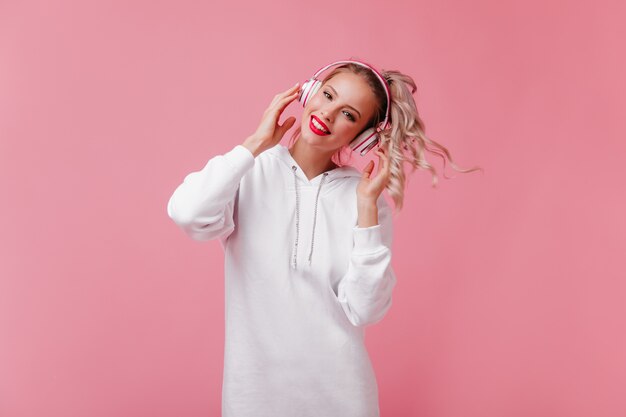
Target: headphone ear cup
{"x": 304, "y": 91}
{"x": 365, "y": 141}
{"x": 309, "y": 88}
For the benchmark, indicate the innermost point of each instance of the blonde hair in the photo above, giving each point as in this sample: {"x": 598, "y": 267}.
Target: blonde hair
{"x": 405, "y": 138}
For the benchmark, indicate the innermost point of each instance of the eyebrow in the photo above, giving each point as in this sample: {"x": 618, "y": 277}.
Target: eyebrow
{"x": 347, "y": 105}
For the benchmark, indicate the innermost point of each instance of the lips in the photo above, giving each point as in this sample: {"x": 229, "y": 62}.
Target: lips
{"x": 317, "y": 120}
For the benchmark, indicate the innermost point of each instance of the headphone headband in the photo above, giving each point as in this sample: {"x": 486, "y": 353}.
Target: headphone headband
{"x": 382, "y": 80}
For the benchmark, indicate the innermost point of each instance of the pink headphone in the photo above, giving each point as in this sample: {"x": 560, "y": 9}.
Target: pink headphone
{"x": 367, "y": 139}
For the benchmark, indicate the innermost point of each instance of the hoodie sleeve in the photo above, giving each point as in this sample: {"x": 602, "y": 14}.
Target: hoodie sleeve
{"x": 365, "y": 290}
{"x": 202, "y": 206}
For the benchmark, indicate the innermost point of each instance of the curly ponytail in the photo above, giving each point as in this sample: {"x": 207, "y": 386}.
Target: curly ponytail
{"x": 405, "y": 138}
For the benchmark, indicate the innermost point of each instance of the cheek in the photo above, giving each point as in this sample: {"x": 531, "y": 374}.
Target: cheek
{"x": 313, "y": 102}
{"x": 347, "y": 125}
{"x": 346, "y": 131}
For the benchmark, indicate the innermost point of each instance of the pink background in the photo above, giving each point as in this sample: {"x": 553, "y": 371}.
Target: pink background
{"x": 511, "y": 289}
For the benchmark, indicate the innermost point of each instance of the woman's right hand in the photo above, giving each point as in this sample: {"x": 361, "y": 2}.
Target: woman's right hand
{"x": 269, "y": 132}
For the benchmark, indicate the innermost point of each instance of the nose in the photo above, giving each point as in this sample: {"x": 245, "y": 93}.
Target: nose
{"x": 327, "y": 113}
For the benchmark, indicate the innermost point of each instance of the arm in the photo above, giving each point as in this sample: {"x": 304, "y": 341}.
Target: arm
{"x": 365, "y": 291}
{"x": 203, "y": 204}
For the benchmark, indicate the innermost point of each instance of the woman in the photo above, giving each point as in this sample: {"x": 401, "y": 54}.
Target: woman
{"x": 307, "y": 242}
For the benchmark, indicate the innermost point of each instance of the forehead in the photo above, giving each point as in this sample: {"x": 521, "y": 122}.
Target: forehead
{"x": 354, "y": 90}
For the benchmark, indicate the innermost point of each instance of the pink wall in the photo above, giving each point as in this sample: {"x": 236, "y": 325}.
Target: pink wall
{"x": 510, "y": 300}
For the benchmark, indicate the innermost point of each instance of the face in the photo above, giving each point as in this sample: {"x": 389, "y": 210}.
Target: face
{"x": 343, "y": 105}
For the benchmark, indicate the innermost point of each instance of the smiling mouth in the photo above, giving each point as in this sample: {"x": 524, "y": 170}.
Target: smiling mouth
{"x": 318, "y": 127}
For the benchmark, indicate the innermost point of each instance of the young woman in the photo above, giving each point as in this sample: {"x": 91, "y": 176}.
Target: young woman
{"x": 307, "y": 242}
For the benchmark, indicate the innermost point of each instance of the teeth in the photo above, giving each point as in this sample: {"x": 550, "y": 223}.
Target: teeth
{"x": 319, "y": 126}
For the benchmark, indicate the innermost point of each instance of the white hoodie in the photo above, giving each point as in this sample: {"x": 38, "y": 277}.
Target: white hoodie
{"x": 302, "y": 281}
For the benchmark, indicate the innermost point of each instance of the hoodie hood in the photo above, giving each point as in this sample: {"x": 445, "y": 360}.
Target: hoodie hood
{"x": 292, "y": 168}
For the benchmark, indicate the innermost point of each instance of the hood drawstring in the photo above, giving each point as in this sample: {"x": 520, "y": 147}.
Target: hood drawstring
{"x": 295, "y": 246}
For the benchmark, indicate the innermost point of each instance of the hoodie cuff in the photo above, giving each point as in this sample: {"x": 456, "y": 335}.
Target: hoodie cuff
{"x": 367, "y": 239}
{"x": 240, "y": 159}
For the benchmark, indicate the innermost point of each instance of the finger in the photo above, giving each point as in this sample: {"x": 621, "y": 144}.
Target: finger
{"x": 368, "y": 169}
{"x": 282, "y": 103}
{"x": 286, "y": 125}
{"x": 385, "y": 158}
{"x": 288, "y": 122}
{"x": 286, "y": 96}
{"x": 384, "y": 170}
{"x": 293, "y": 90}
{"x": 382, "y": 160}
{"x": 291, "y": 96}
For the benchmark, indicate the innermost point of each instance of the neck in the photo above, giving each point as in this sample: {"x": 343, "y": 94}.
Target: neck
{"x": 311, "y": 160}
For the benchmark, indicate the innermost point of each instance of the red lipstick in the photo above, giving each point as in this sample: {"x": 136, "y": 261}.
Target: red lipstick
{"x": 315, "y": 129}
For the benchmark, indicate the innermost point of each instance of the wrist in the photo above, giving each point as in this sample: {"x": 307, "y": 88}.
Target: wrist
{"x": 252, "y": 145}
{"x": 366, "y": 202}
{"x": 367, "y": 214}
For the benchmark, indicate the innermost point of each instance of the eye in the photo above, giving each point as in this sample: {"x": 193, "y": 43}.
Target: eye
{"x": 345, "y": 112}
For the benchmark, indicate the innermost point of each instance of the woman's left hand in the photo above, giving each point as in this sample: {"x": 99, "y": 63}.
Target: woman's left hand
{"x": 369, "y": 189}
